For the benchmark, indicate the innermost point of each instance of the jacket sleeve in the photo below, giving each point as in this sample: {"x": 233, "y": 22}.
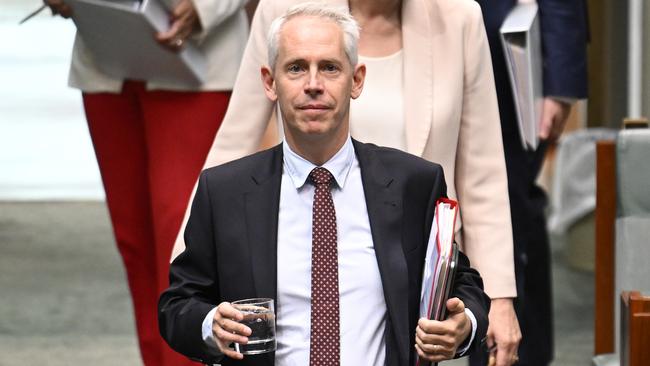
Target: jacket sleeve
{"x": 564, "y": 45}
{"x": 213, "y": 12}
{"x": 468, "y": 286}
{"x": 193, "y": 289}
{"x": 480, "y": 176}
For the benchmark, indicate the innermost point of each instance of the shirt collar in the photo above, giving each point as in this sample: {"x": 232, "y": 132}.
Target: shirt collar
{"x": 299, "y": 168}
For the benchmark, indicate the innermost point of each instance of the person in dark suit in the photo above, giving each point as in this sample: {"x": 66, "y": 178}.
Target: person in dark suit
{"x": 352, "y": 296}
{"x": 564, "y": 37}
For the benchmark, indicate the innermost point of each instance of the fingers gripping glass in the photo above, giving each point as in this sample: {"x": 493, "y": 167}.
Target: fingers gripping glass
{"x": 259, "y": 316}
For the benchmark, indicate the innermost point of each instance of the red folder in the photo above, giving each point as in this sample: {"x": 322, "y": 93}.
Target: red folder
{"x": 440, "y": 263}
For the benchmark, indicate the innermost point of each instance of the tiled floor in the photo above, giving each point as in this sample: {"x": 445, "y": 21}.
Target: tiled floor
{"x": 64, "y": 295}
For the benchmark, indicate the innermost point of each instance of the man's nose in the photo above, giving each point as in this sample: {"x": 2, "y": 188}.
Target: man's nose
{"x": 314, "y": 85}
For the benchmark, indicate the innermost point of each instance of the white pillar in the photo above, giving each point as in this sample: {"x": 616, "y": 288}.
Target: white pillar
{"x": 635, "y": 58}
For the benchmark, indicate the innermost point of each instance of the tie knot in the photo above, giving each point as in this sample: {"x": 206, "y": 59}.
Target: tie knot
{"x": 320, "y": 176}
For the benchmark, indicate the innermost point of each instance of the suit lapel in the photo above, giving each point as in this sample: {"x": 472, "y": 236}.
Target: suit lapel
{"x": 384, "y": 202}
{"x": 262, "y": 204}
{"x": 418, "y": 73}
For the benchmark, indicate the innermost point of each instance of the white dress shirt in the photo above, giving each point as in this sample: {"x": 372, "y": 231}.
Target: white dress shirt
{"x": 362, "y": 307}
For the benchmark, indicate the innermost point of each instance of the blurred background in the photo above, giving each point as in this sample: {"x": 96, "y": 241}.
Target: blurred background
{"x": 65, "y": 300}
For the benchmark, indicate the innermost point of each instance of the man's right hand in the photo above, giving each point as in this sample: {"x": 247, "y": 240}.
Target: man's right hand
{"x": 59, "y": 7}
{"x": 226, "y": 329}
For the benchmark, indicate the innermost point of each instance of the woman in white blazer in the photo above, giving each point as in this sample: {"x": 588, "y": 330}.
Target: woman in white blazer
{"x": 151, "y": 140}
{"x": 439, "y": 104}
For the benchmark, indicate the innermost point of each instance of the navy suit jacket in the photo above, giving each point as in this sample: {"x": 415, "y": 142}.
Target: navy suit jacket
{"x": 231, "y": 250}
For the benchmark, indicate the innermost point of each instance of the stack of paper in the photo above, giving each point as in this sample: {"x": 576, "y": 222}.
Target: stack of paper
{"x": 520, "y": 36}
{"x": 120, "y": 36}
{"x": 440, "y": 261}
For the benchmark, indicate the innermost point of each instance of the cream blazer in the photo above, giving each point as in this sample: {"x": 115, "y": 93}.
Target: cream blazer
{"x": 451, "y": 117}
{"x": 224, "y": 28}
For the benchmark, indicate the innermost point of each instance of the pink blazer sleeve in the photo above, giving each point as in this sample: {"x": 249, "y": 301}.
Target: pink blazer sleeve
{"x": 249, "y": 110}
{"x": 481, "y": 179}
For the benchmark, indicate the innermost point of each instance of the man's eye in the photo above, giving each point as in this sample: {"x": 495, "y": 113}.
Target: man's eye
{"x": 294, "y": 68}
{"x": 330, "y": 68}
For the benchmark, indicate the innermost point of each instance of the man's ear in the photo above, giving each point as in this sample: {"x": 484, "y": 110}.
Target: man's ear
{"x": 358, "y": 78}
{"x": 269, "y": 83}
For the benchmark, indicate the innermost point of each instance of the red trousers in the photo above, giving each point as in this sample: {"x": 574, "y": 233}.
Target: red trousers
{"x": 150, "y": 147}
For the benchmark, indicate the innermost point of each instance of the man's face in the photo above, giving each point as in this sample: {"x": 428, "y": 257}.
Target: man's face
{"x": 313, "y": 80}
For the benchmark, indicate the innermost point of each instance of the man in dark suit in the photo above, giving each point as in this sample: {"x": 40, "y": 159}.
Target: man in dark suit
{"x": 564, "y": 36}
{"x": 352, "y": 296}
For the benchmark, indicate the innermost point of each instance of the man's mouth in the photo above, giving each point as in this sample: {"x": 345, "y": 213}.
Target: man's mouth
{"x": 313, "y": 107}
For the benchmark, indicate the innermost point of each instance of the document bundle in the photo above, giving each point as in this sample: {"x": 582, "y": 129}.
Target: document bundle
{"x": 120, "y": 36}
{"x": 440, "y": 262}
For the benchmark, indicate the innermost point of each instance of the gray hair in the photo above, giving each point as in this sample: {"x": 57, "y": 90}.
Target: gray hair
{"x": 339, "y": 15}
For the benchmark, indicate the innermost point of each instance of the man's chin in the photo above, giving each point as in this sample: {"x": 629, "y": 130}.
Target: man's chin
{"x": 312, "y": 128}
{"x": 315, "y": 132}
{"x": 315, "y": 126}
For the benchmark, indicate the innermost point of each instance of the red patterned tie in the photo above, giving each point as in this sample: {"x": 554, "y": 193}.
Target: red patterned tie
{"x": 325, "y": 342}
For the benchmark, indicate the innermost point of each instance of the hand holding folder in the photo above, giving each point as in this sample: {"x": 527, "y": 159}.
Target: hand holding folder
{"x": 184, "y": 20}
{"x": 440, "y": 263}
{"x": 120, "y": 36}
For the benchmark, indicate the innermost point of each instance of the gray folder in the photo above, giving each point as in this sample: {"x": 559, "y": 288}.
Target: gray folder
{"x": 520, "y": 37}
{"x": 120, "y": 36}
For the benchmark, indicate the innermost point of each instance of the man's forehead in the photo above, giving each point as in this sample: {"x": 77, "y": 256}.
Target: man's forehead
{"x": 304, "y": 34}
{"x": 310, "y": 27}
{"x": 309, "y": 19}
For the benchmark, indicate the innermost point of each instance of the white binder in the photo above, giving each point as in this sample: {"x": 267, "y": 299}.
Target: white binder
{"x": 521, "y": 40}
{"x": 120, "y": 37}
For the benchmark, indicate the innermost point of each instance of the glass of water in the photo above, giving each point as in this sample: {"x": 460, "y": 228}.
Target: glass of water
{"x": 259, "y": 316}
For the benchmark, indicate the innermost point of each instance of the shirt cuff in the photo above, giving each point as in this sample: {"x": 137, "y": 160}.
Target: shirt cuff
{"x": 206, "y": 330}
{"x": 472, "y": 318}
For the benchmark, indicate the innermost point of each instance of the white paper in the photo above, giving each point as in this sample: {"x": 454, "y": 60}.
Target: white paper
{"x": 120, "y": 36}
{"x": 438, "y": 255}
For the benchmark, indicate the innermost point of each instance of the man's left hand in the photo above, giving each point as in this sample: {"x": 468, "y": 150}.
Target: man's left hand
{"x": 554, "y": 117}
{"x": 184, "y": 20}
{"x": 439, "y": 340}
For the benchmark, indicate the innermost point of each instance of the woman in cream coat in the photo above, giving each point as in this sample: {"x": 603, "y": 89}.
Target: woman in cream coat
{"x": 447, "y": 113}
{"x": 151, "y": 140}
